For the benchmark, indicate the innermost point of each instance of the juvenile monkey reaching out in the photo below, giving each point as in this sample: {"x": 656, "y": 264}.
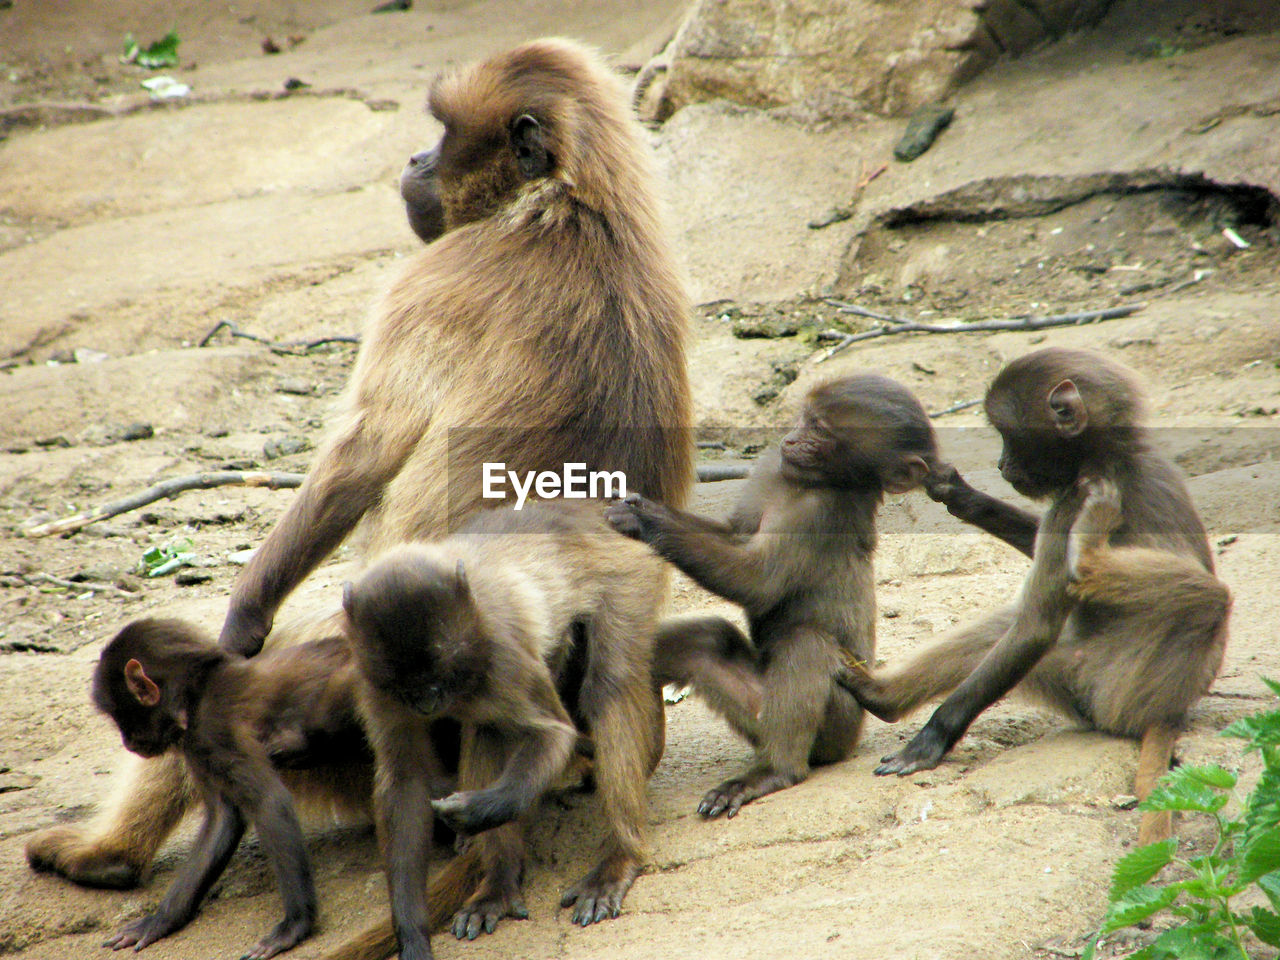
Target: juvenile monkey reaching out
{"x": 796, "y": 554}
{"x": 1120, "y": 623}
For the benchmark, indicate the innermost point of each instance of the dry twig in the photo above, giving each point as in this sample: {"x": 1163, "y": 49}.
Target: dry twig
{"x": 168, "y": 489}
{"x": 275, "y": 480}
{"x": 83, "y": 586}
{"x": 955, "y": 408}
{"x": 894, "y": 325}
{"x": 291, "y": 347}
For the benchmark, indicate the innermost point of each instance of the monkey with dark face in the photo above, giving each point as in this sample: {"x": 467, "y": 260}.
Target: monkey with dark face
{"x": 545, "y": 326}
{"x": 1121, "y": 622}
{"x": 479, "y": 627}
{"x": 797, "y": 556}
{"x": 166, "y": 687}
{"x": 420, "y": 191}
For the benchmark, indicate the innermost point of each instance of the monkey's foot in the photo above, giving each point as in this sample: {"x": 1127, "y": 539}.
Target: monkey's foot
{"x": 598, "y": 896}
{"x": 859, "y": 682}
{"x": 143, "y": 932}
{"x": 67, "y": 852}
{"x": 1100, "y": 513}
{"x": 924, "y": 752}
{"x": 732, "y": 795}
{"x": 486, "y": 907}
{"x": 286, "y": 935}
{"x": 1101, "y": 510}
{"x": 470, "y": 812}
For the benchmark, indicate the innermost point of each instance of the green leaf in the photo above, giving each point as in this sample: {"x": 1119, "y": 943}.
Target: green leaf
{"x": 1273, "y": 684}
{"x": 1141, "y": 865}
{"x": 1261, "y": 856}
{"x": 1265, "y": 926}
{"x": 1211, "y": 776}
{"x": 1180, "y": 790}
{"x": 1090, "y": 949}
{"x": 1270, "y": 885}
{"x": 1194, "y": 942}
{"x": 1261, "y": 729}
{"x": 162, "y": 53}
{"x": 1137, "y": 905}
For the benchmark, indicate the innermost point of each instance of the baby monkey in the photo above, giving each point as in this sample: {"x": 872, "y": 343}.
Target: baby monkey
{"x": 234, "y": 721}
{"x": 526, "y": 626}
{"x": 796, "y": 554}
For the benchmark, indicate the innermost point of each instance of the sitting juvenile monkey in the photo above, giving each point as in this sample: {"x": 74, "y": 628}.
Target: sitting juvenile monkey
{"x": 797, "y": 555}
{"x": 1121, "y": 622}
{"x": 166, "y": 686}
{"x": 492, "y": 626}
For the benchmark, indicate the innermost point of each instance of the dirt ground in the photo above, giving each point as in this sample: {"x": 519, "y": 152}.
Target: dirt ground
{"x": 1102, "y": 169}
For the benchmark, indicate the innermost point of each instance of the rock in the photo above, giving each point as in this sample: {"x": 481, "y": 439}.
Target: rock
{"x": 284, "y": 447}
{"x": 138, "y": 431}
{"x": 295, "y": 385}
{"x": 922, "y": 129}
{"x": 842, "y": 58}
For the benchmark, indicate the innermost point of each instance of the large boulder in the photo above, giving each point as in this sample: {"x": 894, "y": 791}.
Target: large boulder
{"x": 840, "y": 58}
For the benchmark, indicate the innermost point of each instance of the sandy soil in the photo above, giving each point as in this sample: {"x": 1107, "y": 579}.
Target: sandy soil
{"x": 1089, "y": 173}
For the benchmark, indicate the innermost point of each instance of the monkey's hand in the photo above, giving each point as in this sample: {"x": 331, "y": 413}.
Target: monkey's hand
{"x": 245, "y": 629}
{"x": 732, "y": 795}
{"x": 924, "y": 752}
{"x": 943, "y": 483}
{"x": 636, "y": 517}
{"x": 482, "y": 911}
{"x": 145, "y": 931}
{"x": 470, "y": 812}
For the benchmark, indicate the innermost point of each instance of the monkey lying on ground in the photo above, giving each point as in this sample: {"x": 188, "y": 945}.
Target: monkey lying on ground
{"x": 1125, "y": 636}
{"x": 797, "y": 556}
{"x": 480, "y": 627}
{"x": 166, "y": 686}
{"x": 546, "y": 326}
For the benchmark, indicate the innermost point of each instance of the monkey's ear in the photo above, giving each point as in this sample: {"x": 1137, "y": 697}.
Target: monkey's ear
{"x": 1066, "y": 405}
{"x": 142, "y": 687}
{"x": 905, "y": 475}
{"x": 348, "y": 596}
{"x": 529, "y": 141}
{"x": 460, "y": 580}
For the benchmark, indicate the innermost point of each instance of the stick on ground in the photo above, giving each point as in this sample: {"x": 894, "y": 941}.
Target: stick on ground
{"x": 275, "y": 480}
{"x": 168, "y": 489}
{"x": 1026, "y": 322}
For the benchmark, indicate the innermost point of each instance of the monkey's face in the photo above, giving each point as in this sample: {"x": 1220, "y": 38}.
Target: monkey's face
{"x": 146, "y": 731}
{"x": 1037, "y": 463}
{"x": 808, "y": 450}
{"x": 420, "y": 190}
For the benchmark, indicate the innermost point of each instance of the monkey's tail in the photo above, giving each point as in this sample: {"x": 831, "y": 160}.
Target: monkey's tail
{"x": 446, "y": 893}
{"x": 1154, "y": 757}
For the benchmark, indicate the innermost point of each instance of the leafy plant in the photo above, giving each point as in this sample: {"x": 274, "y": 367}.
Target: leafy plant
{"x": 1201, "y": 890}
{"x": 162, "y": 53}
{"x": 158, "y": 561}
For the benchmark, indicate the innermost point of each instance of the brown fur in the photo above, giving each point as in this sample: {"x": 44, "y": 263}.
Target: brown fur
{"x": 546, "y": 326}
{"x": 233, "y": 722}
{"x": 1122, "y": 623}
{"x": 797, "y": 555}
{"x": 480, "y": 627}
